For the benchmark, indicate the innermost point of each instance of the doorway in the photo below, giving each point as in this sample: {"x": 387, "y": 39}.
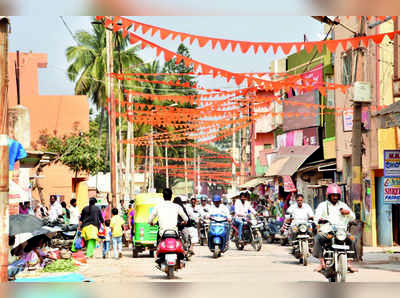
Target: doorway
{"x": 396, "y": 223}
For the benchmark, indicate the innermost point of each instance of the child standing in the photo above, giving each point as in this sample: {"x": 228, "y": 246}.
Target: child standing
{"x": 117, "y": 230}
{"x": 107, "y": 238}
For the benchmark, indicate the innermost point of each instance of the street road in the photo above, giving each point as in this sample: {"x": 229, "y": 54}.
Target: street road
{"x": 272, "y": 264}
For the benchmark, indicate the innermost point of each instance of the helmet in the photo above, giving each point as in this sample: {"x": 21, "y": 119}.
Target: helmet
{"x": 184, "y": 198}
{"x": 202, "y": 198}
{"x": 216, "y": 198}
{"x": 333, "y": 189}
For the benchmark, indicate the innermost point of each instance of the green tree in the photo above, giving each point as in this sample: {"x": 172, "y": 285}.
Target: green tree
{"x": 88, "y": 65}
{"x": 77, "y": 151}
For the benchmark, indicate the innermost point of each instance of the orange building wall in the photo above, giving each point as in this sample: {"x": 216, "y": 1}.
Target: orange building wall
{"x": 54, "y": 113}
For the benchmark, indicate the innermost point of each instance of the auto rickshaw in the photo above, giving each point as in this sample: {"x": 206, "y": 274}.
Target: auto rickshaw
{"x": 145, "y": 235}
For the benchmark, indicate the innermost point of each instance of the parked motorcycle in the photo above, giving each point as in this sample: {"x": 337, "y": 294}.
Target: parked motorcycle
{"x": 170, "y": 253}
{"x": 64, "y": 238}
{"x": 218, "y": 235}
{"x": 301, "y": 245}
{"x": 250, "y": 233}
{"x": 204, "y": 227}
{"x": 336, "y": 254}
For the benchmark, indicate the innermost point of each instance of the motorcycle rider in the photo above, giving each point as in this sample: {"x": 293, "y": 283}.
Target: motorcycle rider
{"x": 299, "y": 212}
{"x": 219, "y": 208}
{"x": 204, "y": 207}
{"x": 167, "y": 213}
{"x": 242, "y": 209}
{"x": 337, "y": 213}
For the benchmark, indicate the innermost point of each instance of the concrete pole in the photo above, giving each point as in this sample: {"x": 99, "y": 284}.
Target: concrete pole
{"x": 4, "y": 27}
{"x": 151, "y": 156}
{"x": 121, "y": 189}
{"x": 396, "y": 49}
{"x": 234, "y": 178}
{"x": 110, "y": 94}
{"x": 128, "y": 154}
{"x": 198, "y": 174}
{"x": 356, "y": 186}
{"x": 166, "y": 164}
{"x": 186, "y": 178}
{"x": 194, "y": 171}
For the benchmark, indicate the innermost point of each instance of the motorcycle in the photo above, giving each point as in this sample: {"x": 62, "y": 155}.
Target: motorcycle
{"x": 250, "y": 234}
{"x": 65, "y": 234}
{"x": 218, "y": 235}
{"x": 204, "y": 227}
{"x": 301, "y": 245}
{"x": 271, "y": 229}
{"x": 170, "y": 253}
{"x": 336, "y": 254}
{"x": 186, "y": 242}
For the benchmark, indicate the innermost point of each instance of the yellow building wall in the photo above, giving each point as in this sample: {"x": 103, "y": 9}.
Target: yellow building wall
{"x": 386, "y": 141}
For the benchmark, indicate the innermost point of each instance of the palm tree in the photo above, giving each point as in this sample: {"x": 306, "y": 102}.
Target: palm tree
{"x": 88, "y": 63}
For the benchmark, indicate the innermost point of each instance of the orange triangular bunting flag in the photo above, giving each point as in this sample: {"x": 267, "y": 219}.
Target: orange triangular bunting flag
{"x": 355, "y": 42}
{"x": 202, "y": 41}
{"x": 391, "y": 35}
{"x": 265, "y": 46}
{"x": 377, "y": 38}
{"x": 145, "y": 28}
{"x": 244, "y": 46}
{"x": 213, "y": 43}
{"x": 275, "y": 47}
{"x": 224, "y": 44}
{"x": 183, "y": 36}
{"x": 164, "y": 34}
{"x": 233, "y": 45}
{"x": 153, "y": 31}
{"x": 286, "y": 47}
{"x": 331, "y": 45}
{"x": 308, "y": 46}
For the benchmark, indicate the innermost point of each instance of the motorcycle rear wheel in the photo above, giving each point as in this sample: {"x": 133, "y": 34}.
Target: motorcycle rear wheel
{"x": 238, "y": 245}
{"x": 257, "y": 241}
{"x": 217, "y": 252}
{"x": 342, "y": 268}
{"x": 170, "y": 272}
{"x": 304, "y": 249}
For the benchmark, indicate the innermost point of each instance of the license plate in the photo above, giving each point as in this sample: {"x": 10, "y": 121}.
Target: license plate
{"x": 171, "y": 259}
{"x": 336, "y": 246}
{"x": 303, "y": 236}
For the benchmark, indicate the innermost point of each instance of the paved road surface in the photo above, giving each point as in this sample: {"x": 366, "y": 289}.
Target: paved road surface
{"x": 273, "y": 264}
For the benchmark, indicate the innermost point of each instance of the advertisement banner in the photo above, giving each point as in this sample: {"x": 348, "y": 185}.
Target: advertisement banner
{"x": 392, "y": 190}
{"x": 288, "y": 184}
{"x": 391, "y": 163}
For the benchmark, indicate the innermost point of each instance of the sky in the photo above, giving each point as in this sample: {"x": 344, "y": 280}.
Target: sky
{"x": 49, "y": 35}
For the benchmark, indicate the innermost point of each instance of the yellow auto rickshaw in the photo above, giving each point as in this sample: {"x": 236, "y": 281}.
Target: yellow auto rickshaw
{"x": 145, "y": 235}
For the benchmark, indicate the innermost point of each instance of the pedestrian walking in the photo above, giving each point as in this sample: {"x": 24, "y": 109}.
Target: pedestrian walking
{"x": 90, "y": 222}
{"x": 74, "y": 213}
{"x": 107, "y": 239}
{"x": 116, "y": 225}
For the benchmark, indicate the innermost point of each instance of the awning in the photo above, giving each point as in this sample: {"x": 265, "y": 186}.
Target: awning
{"x": 255, "y": 182}
{"x": 17, "y": 194}
{"x": 289, "y": 160}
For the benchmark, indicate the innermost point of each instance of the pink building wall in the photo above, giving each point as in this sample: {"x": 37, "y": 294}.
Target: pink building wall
{"x": 55, "y": 113}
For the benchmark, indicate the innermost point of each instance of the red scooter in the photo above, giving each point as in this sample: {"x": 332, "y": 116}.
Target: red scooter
{"x": 170, "y": 253}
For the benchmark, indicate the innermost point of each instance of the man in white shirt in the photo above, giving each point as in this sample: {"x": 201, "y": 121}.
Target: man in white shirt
{"x": 204, "y": 207}
{"x": 299, "y": 212}
{"x": 336, "y": 213}
{"x": 74, "y": 213}
{"x": 167, "y": 214}
{"x": 55, "y": 209}
{"x": 219, "y": 209}
{"x": 242, "y": 209}
{"x": 194, "y": 210}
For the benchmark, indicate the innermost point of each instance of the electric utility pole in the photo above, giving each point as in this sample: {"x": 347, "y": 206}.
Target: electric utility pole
{"x": 186, "y": 178}
{"x": 4, "y": 174}
{"x": 110, "y": 94}
{"x": 166, "y": 164}
{"x": 234, "y": 178}
{"x": 357, "y": 140}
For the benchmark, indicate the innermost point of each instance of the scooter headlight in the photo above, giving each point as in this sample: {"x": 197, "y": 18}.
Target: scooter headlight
{"x": 341, "y": 235}
{"x": 303, "y": 228}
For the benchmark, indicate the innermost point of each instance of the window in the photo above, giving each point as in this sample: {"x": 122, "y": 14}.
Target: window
{"x": 347, "y": 63}
{"x": 330, "y": 94}
{"x": 267, "y": 146}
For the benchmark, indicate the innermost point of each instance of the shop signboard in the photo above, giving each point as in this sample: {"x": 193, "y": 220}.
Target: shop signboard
{"x": 391, "y": 163}
{"x": 392, "y": 190}
{"x": 392, "y": 176}
{"x": 288, "y": 184}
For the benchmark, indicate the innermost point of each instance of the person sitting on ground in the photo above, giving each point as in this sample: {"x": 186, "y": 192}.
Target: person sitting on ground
{"x": 117, "y": 229}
